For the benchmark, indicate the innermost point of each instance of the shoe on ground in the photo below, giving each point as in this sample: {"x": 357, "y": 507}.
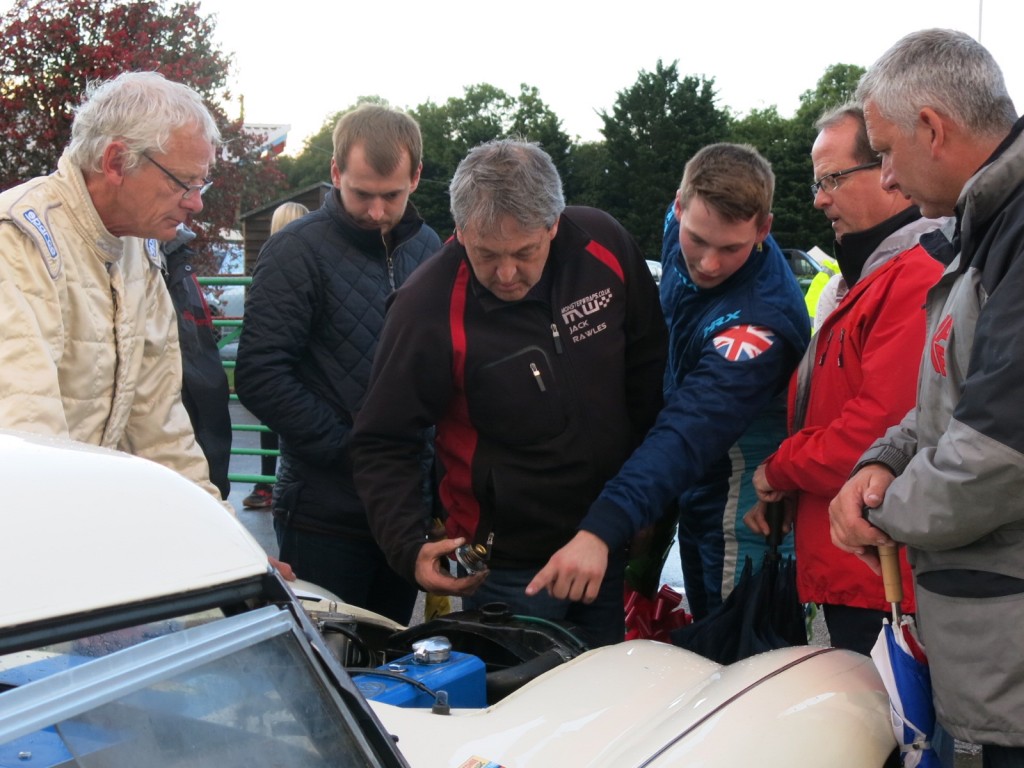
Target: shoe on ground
{"x": 260, "y": 498}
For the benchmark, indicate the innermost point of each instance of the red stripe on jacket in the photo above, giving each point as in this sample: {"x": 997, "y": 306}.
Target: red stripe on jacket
{"x": 607, "y": 258}
{"x": 456, "y": 437}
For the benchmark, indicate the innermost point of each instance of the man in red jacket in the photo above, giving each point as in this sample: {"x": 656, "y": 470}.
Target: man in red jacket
{"x": 859, "y": 374}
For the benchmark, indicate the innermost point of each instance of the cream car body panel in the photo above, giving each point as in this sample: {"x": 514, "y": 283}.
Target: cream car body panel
{"x": 97, "y": 528}
{"x": 99, "y": 541}
{"x": 644, "y": 703}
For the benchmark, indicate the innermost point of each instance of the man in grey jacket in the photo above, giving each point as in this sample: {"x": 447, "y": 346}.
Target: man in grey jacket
{"x": 948, "y": 481}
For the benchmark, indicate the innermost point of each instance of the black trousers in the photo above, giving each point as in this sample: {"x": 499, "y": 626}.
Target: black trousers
{"x": 1002, "y": 757}
{"x": 855, "y": 629}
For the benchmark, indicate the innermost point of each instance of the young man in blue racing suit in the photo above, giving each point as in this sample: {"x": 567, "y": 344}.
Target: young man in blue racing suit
{"x": 737, "y": 328}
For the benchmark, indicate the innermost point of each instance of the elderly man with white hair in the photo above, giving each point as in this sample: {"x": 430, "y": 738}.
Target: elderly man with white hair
{"x": 88, "y": 338}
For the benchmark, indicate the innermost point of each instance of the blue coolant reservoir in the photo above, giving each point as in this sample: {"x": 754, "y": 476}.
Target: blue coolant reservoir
{"x": 434, "y": 665}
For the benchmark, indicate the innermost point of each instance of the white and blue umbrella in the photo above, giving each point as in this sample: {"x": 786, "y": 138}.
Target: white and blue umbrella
{"x": 903, "y": 667}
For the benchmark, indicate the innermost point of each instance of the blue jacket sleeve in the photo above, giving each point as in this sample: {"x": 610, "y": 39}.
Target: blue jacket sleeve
{"x": 708, "y": 411}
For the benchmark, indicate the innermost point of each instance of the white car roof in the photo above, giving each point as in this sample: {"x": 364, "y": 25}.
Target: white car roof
{"x": 87, "y": 528}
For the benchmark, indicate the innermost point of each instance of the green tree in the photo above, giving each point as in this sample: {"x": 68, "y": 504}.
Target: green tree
{"x": 777, "y": 139}
{"x": 836, "y": 86}
{"x": 786, "y": 143}
{"x": 587, "y": 179}
{"x": 51, "y": 49}
{"x": 482, "y": 113}
{"x": 655, "y": 126}
{"x": 535, "y": 121}
{"x": 313, "y": 164}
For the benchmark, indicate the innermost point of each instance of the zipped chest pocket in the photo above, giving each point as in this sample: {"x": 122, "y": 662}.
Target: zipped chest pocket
{"x": 517, "y": 400}
{"x": 831, "y": 352}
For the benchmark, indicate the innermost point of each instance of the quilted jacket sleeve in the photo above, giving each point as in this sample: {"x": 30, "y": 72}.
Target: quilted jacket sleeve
{"x": 281, "y": 308}
{"x": 409, "y": 392}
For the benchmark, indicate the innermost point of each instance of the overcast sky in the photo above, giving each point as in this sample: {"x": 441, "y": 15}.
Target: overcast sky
{"x": 299, "y": 61}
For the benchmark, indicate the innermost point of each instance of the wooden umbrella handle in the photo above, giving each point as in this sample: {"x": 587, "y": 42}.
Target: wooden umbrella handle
{"x": 889, "y": 555}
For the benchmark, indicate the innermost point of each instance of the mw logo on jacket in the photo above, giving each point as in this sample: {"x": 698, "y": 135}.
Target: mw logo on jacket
{"x": 579, "y": 315}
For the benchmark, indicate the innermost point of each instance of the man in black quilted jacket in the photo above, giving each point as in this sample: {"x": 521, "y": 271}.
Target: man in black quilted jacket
{"x": 313, "y": 315}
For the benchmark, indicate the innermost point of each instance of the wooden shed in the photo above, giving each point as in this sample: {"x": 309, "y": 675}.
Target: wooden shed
{"x": 256, "y": 223}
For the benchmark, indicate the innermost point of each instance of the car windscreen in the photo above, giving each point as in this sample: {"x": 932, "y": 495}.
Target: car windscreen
{"x": 241, "y": 691}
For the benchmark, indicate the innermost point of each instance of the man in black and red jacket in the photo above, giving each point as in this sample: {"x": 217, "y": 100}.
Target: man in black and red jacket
{"x": 534, "y": 342}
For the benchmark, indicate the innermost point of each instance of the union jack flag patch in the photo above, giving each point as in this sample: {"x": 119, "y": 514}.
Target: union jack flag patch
{"x": 743, "y": 342}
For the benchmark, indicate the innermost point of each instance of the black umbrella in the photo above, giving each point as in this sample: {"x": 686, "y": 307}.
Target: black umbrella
{"x": 763, "y": 611}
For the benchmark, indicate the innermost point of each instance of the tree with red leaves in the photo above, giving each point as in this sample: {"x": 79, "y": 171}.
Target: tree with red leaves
{"x": 50, "y": 50}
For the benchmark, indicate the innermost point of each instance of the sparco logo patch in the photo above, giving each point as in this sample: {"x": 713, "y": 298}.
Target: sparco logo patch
{"x": 52, "y": 263}
{"x": 153, "y": 252}
{"x": 580, "y": 315}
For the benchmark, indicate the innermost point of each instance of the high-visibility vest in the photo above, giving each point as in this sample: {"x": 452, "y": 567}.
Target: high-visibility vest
{"x": 818, "y": 284}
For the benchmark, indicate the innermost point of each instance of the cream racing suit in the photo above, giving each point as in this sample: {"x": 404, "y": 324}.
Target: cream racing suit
{"x": 88, "y": 336}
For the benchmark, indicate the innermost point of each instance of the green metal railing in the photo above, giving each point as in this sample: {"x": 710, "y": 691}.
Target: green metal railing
{"x": 231, "y": 330}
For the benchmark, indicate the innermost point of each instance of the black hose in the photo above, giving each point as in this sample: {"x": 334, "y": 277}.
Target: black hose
{"x": 502, "y": 682}
{"x": 553, "y": 625}
{"x": 351, "y": 634}
{"x": 393, "y": 675}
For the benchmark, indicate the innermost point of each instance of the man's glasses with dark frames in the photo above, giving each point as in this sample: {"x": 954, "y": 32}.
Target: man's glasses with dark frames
{"x": 190, "y": 189}
{"x": 830, "y": 181}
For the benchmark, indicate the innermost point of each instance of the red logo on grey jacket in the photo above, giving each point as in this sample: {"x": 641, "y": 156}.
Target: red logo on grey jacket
{"x": 938, "y": 351}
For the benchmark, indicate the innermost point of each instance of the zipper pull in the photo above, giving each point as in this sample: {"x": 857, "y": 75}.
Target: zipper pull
{"x": 557, "y": 338}
{"x": 537, "y": 377}
{"x": 839, "y": 358}
{"x": 389, "y": 261}
{"x": 821, "y": 359}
